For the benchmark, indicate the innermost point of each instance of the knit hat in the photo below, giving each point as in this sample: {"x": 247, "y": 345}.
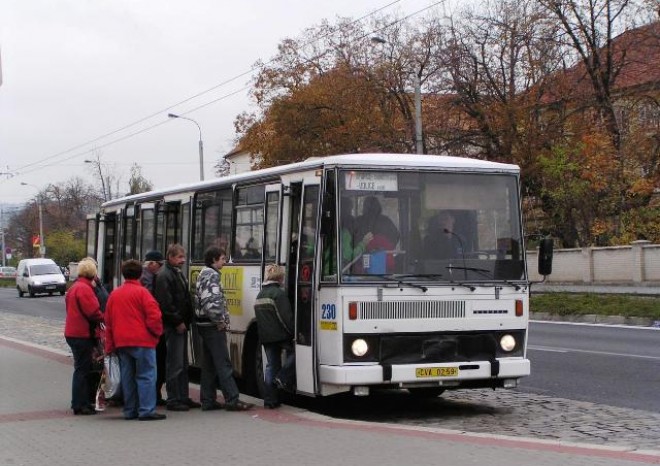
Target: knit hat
{"x": 154, "y": 256}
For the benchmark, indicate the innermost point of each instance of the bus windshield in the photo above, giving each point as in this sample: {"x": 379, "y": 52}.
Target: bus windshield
{"x": 452, "y": 227}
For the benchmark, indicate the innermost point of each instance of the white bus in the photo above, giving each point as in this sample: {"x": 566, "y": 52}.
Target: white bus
{"x": 404, "y": 271}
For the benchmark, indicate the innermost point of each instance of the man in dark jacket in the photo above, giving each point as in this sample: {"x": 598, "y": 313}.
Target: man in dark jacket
{"x": 173, "y": 295}
{"x": 153, "y": 262}
{"x": 276, "y": 326}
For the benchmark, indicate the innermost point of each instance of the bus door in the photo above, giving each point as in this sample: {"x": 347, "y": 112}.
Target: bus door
{"x": 108, "y": 244}
{"x": 306, "y": 357}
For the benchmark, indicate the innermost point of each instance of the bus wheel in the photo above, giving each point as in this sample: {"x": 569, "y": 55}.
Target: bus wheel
{"x": 426, "y": 392}
{"x": 253, "y": 366}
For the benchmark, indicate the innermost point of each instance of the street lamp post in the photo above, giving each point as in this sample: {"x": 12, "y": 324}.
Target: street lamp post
{"x": 201, "y": 144}
{"x": 419, "y": 142}
{"x": 42, "y": 240}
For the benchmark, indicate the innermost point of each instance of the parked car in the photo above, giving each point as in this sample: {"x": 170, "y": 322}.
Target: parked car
{"x": 35, "y": 276}
{"x": 7, "y": 272}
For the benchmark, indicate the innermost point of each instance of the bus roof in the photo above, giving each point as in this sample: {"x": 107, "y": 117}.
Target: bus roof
{"x": 357, "y": 161}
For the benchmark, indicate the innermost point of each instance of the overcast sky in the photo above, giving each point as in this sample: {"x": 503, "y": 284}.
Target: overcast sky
{"x": 74, "y": 70}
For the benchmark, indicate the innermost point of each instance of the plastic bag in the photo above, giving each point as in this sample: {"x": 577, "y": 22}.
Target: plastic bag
{"x": 112, "y": 375}
{"x": 100, "y": 395}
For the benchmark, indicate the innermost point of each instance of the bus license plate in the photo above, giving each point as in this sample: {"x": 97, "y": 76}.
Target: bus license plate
{"x": 422, "y": 372}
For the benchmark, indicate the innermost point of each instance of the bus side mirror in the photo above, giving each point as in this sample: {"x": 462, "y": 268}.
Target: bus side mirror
{"x": 545, "y": 256}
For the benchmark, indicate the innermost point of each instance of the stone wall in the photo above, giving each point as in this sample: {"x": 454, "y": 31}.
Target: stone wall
{"x": 636, "y": 264}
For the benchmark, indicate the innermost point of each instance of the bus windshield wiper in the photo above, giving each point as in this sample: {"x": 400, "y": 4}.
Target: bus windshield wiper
{"x": 400, "y": 282}
{"x": 483, "y": 272}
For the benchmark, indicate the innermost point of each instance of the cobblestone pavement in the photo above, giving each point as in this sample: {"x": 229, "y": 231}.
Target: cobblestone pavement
{"x": 509, "y": 413}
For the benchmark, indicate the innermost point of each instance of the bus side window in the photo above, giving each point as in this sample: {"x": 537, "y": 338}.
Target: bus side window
{"x": 249, "y": 226}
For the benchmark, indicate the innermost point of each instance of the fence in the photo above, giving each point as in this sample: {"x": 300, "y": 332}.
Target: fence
{"x": 637, "y": 264}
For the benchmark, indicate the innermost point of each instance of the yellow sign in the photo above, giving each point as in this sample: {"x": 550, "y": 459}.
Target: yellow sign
{"x": 232, "y": 285}
{"x": 328, "y": 325}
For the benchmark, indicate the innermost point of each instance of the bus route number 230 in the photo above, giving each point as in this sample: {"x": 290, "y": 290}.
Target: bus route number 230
{"x": 328, "y": 312}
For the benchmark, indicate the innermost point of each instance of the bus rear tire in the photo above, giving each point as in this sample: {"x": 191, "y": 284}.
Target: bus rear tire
{"x": 426, "y": 392}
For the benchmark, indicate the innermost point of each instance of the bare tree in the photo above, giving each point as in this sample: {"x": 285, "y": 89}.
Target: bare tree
{"x": 138, "y": 183}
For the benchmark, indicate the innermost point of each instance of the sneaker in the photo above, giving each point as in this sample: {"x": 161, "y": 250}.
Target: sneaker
{"x": 213, "y": 407}
{"x": 192, "y": 404}
{"x": 239, "y": 406}
{"x": 177, "y": 407}
{"x": 152, "y": 417}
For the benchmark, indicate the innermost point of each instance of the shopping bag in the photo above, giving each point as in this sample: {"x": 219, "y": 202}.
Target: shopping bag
{"x": 112, "y": 374}
{"x": 100, "y": 395}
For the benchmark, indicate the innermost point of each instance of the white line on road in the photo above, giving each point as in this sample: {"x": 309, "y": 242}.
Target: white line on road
{"x": 604, "y": 353}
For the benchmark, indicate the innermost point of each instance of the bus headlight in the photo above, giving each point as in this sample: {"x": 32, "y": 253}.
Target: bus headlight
{"x": 507, "y": 343}
{"x": 359, "y": 347}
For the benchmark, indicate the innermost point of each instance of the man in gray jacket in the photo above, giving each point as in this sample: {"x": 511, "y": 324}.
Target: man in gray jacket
{"x": 276, "y": 330}
{"x": 212, "y": 320}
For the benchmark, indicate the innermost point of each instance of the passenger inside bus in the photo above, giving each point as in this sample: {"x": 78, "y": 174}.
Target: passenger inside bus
{"x": 252, "y": 250}
{"x": 441, "y": 242}
{"x": 352, "y": 246}
{"x": 385, "y": 233}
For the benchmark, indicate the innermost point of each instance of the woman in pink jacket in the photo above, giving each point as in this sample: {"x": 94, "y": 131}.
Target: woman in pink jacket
{"x": 83, "y": 314}
{"x": 133, "y": 325}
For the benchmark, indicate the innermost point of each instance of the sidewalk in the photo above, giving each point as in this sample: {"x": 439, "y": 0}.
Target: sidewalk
{"x": 37, "y": 428}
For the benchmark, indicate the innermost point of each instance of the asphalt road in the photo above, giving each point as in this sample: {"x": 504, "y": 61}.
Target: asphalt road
{"x": 50, "y": 307}
{"x": 612, "y": 365}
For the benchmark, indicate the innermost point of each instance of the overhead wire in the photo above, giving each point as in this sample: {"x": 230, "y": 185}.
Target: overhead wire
{"x": 38, "y": 165}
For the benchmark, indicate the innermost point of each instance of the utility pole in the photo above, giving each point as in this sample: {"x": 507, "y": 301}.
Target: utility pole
{"x": 2, "y": 232}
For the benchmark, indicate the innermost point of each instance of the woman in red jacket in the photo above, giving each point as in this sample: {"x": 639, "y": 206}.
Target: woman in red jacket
{"x": 133, "y": 325}
{"x": 83, "y": 314}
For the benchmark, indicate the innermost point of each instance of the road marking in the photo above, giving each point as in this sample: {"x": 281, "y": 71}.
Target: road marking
{"x": 604, "y": 353}
{"x": 557, "y": 322}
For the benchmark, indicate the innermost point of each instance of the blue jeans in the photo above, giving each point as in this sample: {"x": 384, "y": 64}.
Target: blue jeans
{"x": 81, "y": 348}
{"x": 216, "y": 367}
{"x": 275, "y": 369}
{"x": 138, "y": 377}
{"x": 176, "y": 373}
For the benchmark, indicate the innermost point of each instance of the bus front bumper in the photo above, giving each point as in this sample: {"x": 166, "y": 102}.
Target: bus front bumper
{"x": 454, "y": 374}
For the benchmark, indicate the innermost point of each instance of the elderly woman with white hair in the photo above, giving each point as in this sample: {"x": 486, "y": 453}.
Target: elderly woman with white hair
{"x": 276, "y": 326}
{"x": 83, "y": 314}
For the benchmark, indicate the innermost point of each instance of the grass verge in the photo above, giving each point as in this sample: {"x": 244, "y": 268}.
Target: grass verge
{"x": 565, "y": 304}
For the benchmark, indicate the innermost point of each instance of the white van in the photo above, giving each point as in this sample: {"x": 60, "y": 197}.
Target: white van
{"x": 39, "y": 276}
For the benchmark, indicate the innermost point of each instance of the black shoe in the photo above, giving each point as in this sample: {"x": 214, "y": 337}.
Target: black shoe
{"x": 239, "y": 406}
{"x": 192, "y": 404}
{"x": 130, "y": 418}
{"x": 272, "y": 405}
{"x": 177, "y": 407}
{"x": 86, "y": 411}
{"x": 161, "y": 402}
{"x": 152, "y": 417}
{"x": 213, "y": 407}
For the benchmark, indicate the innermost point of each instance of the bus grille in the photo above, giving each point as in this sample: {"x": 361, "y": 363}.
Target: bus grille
{"x": 412, "y": 310}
